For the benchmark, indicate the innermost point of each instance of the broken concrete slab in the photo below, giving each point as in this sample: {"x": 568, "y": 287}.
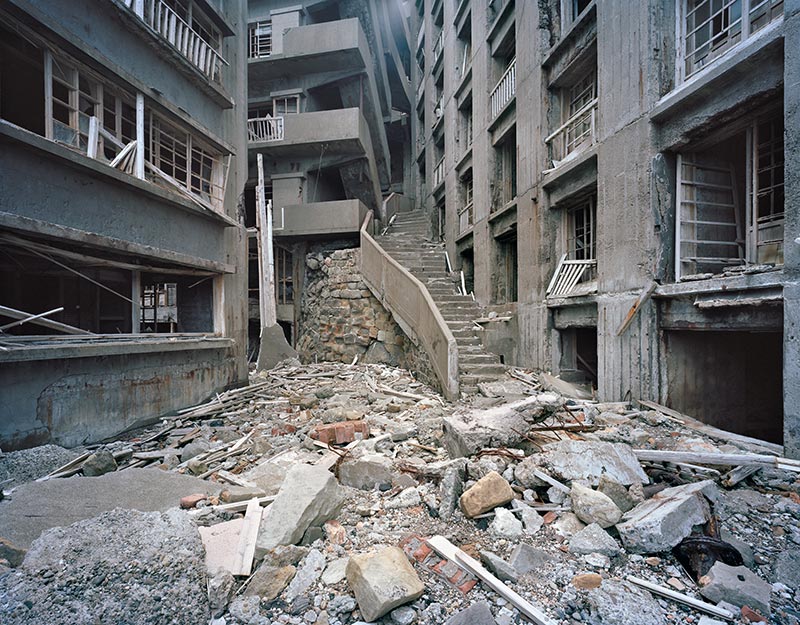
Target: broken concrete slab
{"x": 11, "y": 553}
{"x": 501, "y": 426}
{"x": 590, "y": 460}
{"x": 591, "y": 506}
{"x": 737, "y": 585}
{"x": 38, "y": 506}
{"x": 269, "y": 581}
{"x": 307, "y": 573}
{"x": 617, "y": 493}
{"x": 526, "y": 559}
{"x": 335, "y": 571}
{"x": 622, "y": 603}
{"x": 502, "y": 569}
{"x": 594, "y": 539}
{"x": 122, "y": 566}
{"x": 367, "y": 472}
{"x": 661, "y": 522}
{"x": 382, "y": 581}
{"x": 476, "y": 614}
{"x": 268, "y": 476}
{"x": 562, "y": 387}
{"x": 310, "y": 495}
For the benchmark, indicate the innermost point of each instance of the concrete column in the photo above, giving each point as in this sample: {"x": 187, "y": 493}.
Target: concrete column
{"x": 283, "y": 19}
{"x": 791, "y": 290}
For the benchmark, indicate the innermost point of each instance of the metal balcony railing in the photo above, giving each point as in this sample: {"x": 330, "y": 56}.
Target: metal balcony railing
{"x": 161, "y": 18}
{"x": 505, "y": 89}
{"x": 575, "y": 134}
{"x": 438, "y": 173}
{"x": 438, "y": 48}
{"x": 567, "y": 276}
{"x": 465, "y": 217}
{"x": 263, "y": 129}
{"x": 259, "y": 38}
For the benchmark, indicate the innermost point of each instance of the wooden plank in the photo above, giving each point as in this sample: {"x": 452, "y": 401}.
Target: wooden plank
{"x": 245, "y": 552}
{"x": 733, "y": 460}
{"x": 710, "y": 430}
{"x": 737, "y": 474}
{"x": 552, "y": 481}
{"x": 645, "y": 295}
{"x": 681, "y": 598}
{"x": 74, "y": 464}
{"x": 237, "y": 506}
{"x": 448, "y": 550}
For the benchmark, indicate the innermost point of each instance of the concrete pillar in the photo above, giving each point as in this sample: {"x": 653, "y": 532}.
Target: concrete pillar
{"x": 283, "y": 19}
{"x": 791, "y": 291}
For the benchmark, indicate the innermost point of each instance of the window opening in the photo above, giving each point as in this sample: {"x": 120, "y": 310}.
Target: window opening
{"x": 712, "y": 27}
{"x": 284, "y": 285}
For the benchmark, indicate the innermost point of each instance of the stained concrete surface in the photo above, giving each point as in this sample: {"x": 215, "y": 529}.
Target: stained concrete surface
{"x": 37, "y": 506}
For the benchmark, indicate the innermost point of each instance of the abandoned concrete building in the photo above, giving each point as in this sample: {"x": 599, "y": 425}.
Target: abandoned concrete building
{"x": 121, "y": 171}
{"x": 573, "y": 153}
{"x": 598, "y": 189}
{"x": 328, "y": 110}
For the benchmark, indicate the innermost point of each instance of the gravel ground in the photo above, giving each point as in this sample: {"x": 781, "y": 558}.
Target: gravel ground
{"x": 18, "y": 467}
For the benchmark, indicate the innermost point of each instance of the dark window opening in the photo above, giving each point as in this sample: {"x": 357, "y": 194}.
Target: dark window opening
{"x": 21, "y": 83}
{"x": 507, "y": 274}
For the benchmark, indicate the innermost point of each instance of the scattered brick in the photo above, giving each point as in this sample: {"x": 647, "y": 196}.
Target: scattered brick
{"x": 341, "y": 433}
{"x": 190, "y": 501}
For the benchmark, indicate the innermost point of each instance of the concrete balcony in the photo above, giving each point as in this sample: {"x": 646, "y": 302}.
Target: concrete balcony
{"x": 337, "y": 217}
{"x": 343, "y": 131}
{"x": 315, "y": 48}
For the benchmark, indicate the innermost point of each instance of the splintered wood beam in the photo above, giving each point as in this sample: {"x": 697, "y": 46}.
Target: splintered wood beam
{"x": 681, "y": 598}
{"x": 636, "y": 307}
{"x": 245, "y": 551}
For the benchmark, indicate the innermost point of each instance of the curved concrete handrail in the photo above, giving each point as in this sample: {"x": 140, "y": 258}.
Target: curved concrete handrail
{"x": 412, "y": 307}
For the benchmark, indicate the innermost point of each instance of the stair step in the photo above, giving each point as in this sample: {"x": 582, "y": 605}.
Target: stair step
{"x": 481, "y": 369}
{"x": 477, "y": 358}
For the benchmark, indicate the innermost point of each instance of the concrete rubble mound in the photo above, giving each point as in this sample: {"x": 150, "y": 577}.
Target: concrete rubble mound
{"x": 335, "y": 494}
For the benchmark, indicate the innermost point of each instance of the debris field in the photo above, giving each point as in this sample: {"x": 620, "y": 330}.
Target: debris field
{"x": 335, "y": 494}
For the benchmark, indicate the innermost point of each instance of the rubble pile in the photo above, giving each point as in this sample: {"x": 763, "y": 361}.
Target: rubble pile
{"x": 351, "y": 494}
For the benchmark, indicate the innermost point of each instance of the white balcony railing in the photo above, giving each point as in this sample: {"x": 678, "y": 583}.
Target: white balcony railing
{"x": 505, "y": 89}
{"x": 438, "y": 48}
{"x": 264, "y": 129}
{"x": 567, "y": 276}
{"x": 259, "y": 40}
{"x": 159, "y": 16}
{"x": 575, "y": 134}
{"x": 438, "y": 173}
{"x": 465, "y": 216}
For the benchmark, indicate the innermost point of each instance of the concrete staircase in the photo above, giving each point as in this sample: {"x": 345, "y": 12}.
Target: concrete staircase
{"x": 408, "y": 242}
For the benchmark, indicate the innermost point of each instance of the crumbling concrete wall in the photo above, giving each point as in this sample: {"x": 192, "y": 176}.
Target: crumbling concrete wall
{"x": 342, "y": 319}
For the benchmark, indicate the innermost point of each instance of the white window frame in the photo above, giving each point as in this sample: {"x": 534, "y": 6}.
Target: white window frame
{"x": 259, "y": 38}
{"x": 749, "y": 12}
{"x": 748, "y": 230}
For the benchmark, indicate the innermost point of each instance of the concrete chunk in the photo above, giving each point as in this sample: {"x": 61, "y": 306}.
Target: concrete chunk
{"x": 737, "y": 585}
{"x": 382, "y": 581}
{"x": 594, "y": 539}
{"x": 310, "y": 495}
{"x": 476, "y": 614}
{"x": 661, "y": 522}
{"x": 486, "y": 494}
{"x": 367, "y": 472}
{"x": 590, "y": 460}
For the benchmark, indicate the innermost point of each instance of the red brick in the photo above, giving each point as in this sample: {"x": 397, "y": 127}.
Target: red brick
{"x": 190, "y": 501}
{"x": 341, "y": 433}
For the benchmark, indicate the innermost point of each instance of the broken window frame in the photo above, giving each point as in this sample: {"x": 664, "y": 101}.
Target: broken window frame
{"x": 578, "y": 130}
{"x": 581, "y": 230}
{"x": 706, "y": 33}
{"x": 259, "y": 39}
{"x": 748, "y": 221}
{"x": 205, "y": 180}
{"x": 506, "y": 191}
{"x": 571, "y": 10}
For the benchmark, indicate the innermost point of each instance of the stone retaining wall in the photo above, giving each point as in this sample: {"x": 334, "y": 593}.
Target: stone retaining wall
{"x": 341, "y": 318}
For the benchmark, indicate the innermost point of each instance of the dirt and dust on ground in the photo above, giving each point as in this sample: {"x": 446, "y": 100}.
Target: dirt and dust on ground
{"x": 334, "y": 494}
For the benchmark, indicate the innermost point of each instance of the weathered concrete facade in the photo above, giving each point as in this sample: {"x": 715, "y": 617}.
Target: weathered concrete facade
{"x": 121, "y": 169}
{"x": 617, "y": 136}
{"x": 329, "y": 102}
